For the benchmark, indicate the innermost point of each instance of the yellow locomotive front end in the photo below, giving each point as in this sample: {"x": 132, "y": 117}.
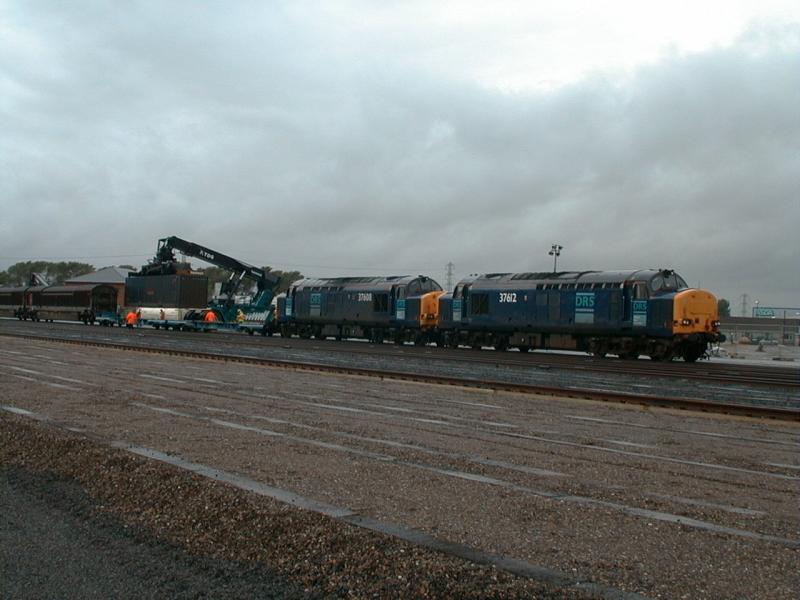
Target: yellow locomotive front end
{"x": 695, "y": 311}
{"x": 695, "y": 322}
{"x": 429, "y": 310}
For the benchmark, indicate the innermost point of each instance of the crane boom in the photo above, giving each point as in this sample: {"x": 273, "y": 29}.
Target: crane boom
{"x": 223, "y": 261}
{"x": 266, "y": 282}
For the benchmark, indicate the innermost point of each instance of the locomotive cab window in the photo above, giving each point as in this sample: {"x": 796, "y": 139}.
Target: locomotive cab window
{"x": 640, "y": 290}
{"x": 432, "y": 286}
{"x": 667, "y": 283}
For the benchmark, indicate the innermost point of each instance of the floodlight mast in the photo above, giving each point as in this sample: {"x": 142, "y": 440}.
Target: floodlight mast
{"x": 555, "y": 252}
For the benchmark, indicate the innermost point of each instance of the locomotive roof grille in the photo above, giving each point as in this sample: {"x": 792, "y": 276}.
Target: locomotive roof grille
{"x": 567, "y": 279}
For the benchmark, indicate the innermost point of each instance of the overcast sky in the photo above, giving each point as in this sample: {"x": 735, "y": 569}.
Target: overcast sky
{"x": 344, "y": 138}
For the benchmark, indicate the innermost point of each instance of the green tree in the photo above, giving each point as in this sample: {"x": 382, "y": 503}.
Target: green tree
{"x": 62, "y": 271}
{"x": 248, "y": 286}
{"x": 286, "y": 278}
{"x": 724, "y": 307}
{"x": 55, "y": 272}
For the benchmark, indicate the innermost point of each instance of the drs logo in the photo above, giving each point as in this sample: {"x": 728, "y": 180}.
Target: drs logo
{"x": 584, "y": 300}
{"x": 584, "y": 308}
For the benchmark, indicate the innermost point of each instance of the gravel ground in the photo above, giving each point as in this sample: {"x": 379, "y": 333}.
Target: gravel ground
{"x": 56, "y": 543}
{"x": 566, "y": 485}
{"x": 84, "y": 521}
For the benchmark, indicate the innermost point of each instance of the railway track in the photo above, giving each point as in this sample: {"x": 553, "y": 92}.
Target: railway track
{"x": 745, "y": 374}
{"x": 674, "y": 402}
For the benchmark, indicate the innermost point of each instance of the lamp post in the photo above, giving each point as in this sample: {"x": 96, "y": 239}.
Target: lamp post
{"x": 555, "y": 252}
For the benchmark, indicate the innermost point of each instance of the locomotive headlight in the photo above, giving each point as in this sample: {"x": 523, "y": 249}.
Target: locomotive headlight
{"x": 686, "y": 322}
{"x": 715, "y": 323}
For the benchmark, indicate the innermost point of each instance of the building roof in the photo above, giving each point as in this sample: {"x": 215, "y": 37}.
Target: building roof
{"x": 110, "y": 275}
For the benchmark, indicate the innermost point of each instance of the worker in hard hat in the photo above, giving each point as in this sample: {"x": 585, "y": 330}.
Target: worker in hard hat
{"x": 210, "y": 317}
{"x": 239, "y": 316}
{"x": 131, "y": 319}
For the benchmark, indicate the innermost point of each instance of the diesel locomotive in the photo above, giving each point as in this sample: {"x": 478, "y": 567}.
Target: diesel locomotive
{"x": 627, "y": 313}
{"x": 400, "y": 309}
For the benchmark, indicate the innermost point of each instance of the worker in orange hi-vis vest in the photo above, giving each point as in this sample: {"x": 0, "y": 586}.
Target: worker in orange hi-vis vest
{"x": 131, "y": 319}
{"x": 210, "y": 317}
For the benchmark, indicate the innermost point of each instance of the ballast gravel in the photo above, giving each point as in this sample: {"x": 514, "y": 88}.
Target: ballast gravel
{"x": 165, "y": 533}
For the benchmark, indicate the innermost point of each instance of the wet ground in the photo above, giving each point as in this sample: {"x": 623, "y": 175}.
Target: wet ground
{"x": 549, "y": 496}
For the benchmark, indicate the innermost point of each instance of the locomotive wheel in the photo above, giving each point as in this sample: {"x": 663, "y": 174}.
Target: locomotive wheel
{"x": 524, "y": 349}
{"x": 598, "y": 348}
{"x": 633, "y": 355}
{"x": 501, "y": 345}
{"x": 692, "y": 353}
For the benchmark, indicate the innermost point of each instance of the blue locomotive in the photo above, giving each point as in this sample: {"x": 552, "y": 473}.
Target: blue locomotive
{"x": 627, "y": 313}
{"x": 400, "y": 308}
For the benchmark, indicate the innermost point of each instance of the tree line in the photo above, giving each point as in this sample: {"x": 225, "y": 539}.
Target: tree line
{"x": 54, "y": 272}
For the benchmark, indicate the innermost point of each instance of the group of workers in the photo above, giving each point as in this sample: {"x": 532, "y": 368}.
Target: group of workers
{"x": 134, "y": 316}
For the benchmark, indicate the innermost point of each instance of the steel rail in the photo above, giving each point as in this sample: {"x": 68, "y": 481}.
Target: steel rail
{"x": 693, "y": 405}
{"x": 753, "y": 375}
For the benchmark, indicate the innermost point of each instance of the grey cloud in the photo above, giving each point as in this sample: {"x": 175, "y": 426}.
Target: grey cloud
{"x": 248, "y": 131}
